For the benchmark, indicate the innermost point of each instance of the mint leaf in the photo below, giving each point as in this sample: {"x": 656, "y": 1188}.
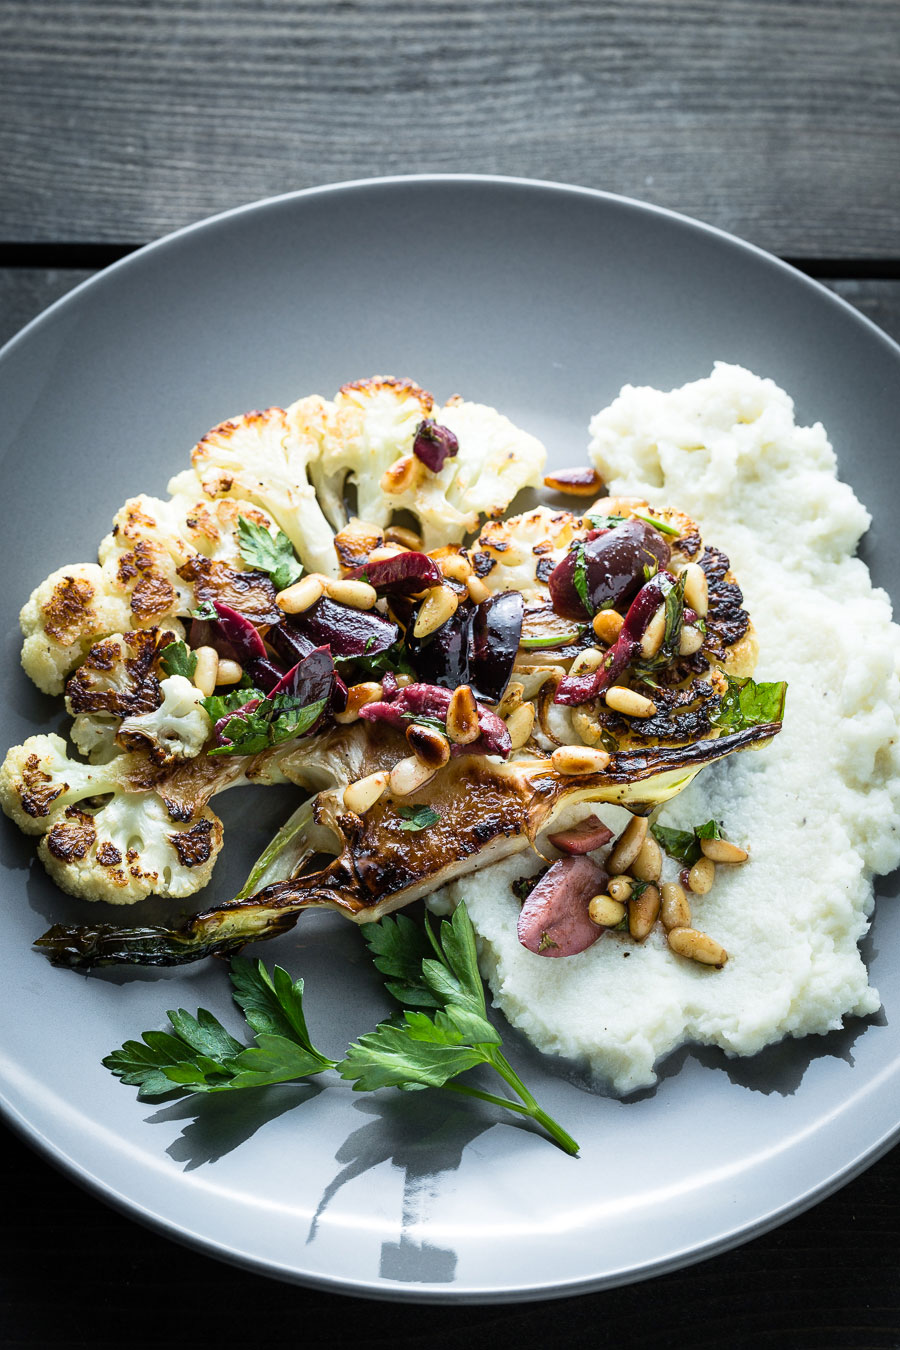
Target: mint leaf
{"x": 178, "y": 659}
{"x": 417, "y": 817}
{"x": 748, "y": 704}
{"x": 269, "y": 553}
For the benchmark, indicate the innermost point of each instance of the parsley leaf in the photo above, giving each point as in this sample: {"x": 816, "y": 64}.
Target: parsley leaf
{"x": 579, "y": 577}
{"x": 271, "y": 722}
{"x": 207, "y": 612}
{"x": 417, "y": 817}
{"x": 178, "y": 659}
{"x": 748, "y": 704}
{"x": 598, "y": 522}
{"x": 374, "y": 667}
{"x": 269, "y": 553}
{"x": 199, "y": 1055}
{"x": 684, "y": 845}
{"x": 432, "y": 1050}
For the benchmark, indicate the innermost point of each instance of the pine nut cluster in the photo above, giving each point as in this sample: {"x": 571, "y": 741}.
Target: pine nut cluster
{"x": 636, "y": 893}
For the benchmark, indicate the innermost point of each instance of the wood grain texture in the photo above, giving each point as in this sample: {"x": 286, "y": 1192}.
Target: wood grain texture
{"x": 74, "y": 1273}
{"x": 776, "y": 119}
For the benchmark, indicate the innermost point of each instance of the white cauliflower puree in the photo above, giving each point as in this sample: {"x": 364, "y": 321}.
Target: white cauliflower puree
{"x": 818, "y": 807}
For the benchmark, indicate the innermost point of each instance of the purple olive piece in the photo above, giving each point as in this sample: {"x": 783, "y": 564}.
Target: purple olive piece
{"x": 584, "y": 837}
{"x": 339, "y": 694}
{"x": 404, "y": 574}
{"x": 613, "y": 571}
{"x": 443, "y": 657}
{"x": 232, "y": 635}
{"x": 219, "y": 729}
{"x": 554, "y": 920}
{"x": 288, "y": 644}
{"x": 264, "y": 673}
{"x": 576, "y": 689}
{"x": 496, "y": 632}
{"x": 310, "y": 679}
{"x": 348, "y": 632}
{"x": 428, "y": 700}
{"x": 434, "y": 444}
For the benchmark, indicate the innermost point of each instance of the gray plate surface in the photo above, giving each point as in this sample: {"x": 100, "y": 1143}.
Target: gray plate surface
{"x": 542, "y": 300}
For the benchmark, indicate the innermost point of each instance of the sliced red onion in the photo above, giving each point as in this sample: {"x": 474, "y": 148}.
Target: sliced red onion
{"x": 612, "y": 567}
{"x": 576, "y": 689}
{"x": 434, "y": 444}
{"x": 554, "y": 920}
{"x": 348, "y": 632}
{"x": 428, "y": 700}
{"x": 404, "y": 574}
{"x": 584, "y": 837}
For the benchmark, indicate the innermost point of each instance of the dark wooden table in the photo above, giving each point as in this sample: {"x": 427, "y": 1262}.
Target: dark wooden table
{"x": 777, "y": 120}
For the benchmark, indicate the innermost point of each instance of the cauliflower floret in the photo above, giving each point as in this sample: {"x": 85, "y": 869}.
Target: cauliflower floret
{"x": 495, "y": 461}
{"x": 371, "y": 425}
{"x": 263, "y": 458}
{"x": 121, "y": 851}
{"x": 177, "y": 729}
{"x": 63, "y": 617}
{"x": 118, "y": 679}
{"x": 519, "y": 553}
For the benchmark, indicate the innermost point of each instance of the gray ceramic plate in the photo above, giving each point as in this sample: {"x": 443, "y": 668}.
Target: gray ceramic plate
{"x": 542, "y": 300}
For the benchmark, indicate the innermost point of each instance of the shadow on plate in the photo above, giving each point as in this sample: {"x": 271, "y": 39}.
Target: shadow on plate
{"x": 220, "y": 1123}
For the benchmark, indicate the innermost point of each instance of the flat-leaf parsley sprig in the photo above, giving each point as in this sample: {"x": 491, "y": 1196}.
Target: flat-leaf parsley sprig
{"x": 444, "y": 1030}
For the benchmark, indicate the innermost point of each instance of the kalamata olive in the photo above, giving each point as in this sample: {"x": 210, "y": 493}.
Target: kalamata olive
{"x": 442, "y": 658}
{"x": 613, "y": 565}
{"x": 406, "y": 574}
{"x": 496, "y": 630}
{"x": 348, "y": 632}
{"x": 434, "y": 444}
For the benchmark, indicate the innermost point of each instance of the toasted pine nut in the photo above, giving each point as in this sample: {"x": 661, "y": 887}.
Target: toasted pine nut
{"x": 520, "y": 724}
{"x": 478, "y": 592}
{"x": 462, "y": 716}
{"x": 455, "y": 567}
{"x": 643, "y": 911}
{"x": 702, "y": 875}
{"x": 654, "y": 633}
{"x": 675, "y": 911}
{"x": 606, "y": 912}
{"x": 229, "y": 672}
{"x": 587, "y": 661}
{"x": 386, "y": 552}
{"x": 511, "y": 700}
{"x": 697, "y": 946}
{"x": 403, "y": 681}
{"x": 302, "y": 595}
{"x": 720, "y": 850}
{"x": 696, "y": 589}
{"x": 439, "y": 605}
{"x": 428, "y": 744}
{"x": 408, "y": 775}
{"x": 607, "y": 625}
{"x": 628, "y": 845}
{"x": 398, "y": 534}
{"x": 689, "y": 641}
{"x": 647, "y": 866}
{"x": 358, "y": 695}
{"x": 206, "y": 669}
{"x": 576, "y": 760}
{"x": 401, "y": 476}
{"x": 629, "y": 702}
{"x": 356, "y": 594}
{"x": 365, "y": 792}
{"x": 620, "y": 888}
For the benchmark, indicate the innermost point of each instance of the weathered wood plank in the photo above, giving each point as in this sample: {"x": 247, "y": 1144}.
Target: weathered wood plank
{"x": 776, "y": 120}
{"x": 24, "y": 292}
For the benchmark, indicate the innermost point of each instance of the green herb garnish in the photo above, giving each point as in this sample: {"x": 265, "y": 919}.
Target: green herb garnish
{"x": 579, "y": 577}
{"x": 661, "y": 525}
{"x": 272, "y": 553}
{"x": 605, "y": 522}
{"x": 272, "y": 722}
{"x": 178, "y": 659}
{"x": 684, "y": 845}
{"x": 444, "y": 1030}
{"x": 417, "y": 817}
{"x": 206, "y": 611}
{"x": 748, "y": 704}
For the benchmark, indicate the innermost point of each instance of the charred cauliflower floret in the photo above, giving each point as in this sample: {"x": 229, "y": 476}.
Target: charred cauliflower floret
{"x": 118, "y": 679}
{"x": 264, "y": 458}
{"x": 177, "y": 729}
{"x": 63, "y": 617}
{"x": 520, "y": 553}
{"x": 120, "y": 851}
{"x": 495, "y": 460}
